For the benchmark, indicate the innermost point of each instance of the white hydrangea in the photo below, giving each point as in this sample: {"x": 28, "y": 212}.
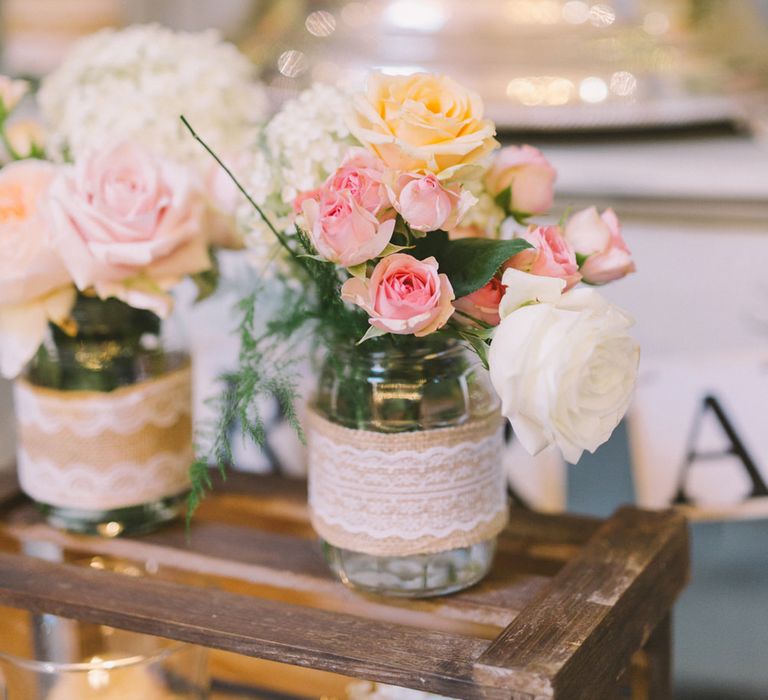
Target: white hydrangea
{"x": 299, "y": 148}
{"x": 307, "y": 139}
{"x": 135, "y": 82}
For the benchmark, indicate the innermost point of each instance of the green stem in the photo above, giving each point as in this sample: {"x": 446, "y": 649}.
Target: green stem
{"x": 265, "y": 218}
{"x": 479, "y": 322}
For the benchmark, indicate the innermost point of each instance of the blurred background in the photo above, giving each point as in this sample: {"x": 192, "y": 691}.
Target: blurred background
{"x": 657, "y": 108}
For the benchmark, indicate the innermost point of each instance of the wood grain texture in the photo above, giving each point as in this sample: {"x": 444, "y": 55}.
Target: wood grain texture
{"x": 438, "y": 662}
{"x": 576, "y": 638}
{"x": 567, "y": 604}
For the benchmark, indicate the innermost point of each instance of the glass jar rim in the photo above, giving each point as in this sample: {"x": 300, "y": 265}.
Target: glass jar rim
{"x": 40, "y": 666}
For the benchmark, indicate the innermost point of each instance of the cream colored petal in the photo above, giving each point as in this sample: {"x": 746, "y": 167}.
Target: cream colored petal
{"x": 524, "y": 288}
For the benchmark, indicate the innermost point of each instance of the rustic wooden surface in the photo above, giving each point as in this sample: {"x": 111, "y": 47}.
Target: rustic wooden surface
{"x": 569, "y": 602}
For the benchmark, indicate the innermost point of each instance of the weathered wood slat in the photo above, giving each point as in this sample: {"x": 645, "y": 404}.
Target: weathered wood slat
{"x": 438, "y": 662}
{"x": 568, "y": 602}
{"x": 574, "y": 640}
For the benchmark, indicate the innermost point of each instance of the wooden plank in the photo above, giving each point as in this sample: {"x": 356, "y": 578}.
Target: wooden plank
{"x": 651, "y": 669}
{"x": 335, "y": 642}
{"x": 10, "y": 492}
{"x": 575, "y": 639}
{"x": 295, "y": 564}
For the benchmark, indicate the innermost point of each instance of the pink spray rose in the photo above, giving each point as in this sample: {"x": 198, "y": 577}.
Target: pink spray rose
{"x": 404, "y": 295}
{"x": 483, "y": 304}
{"x": 34, "y": 284}
{"x": 361, "y": 175}
{"x": 342, "y": 230}
{"x": 426, "y": 204}
{"x": 550, "y": 256}
{"x": 597, "y": 237}
{"x": 528, "y": 174}
{"x": 129, "y": 225}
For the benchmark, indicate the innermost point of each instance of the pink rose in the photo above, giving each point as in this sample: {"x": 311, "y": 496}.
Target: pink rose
{"x": 483, "y": 304}
{"x": 298, "y": 203}
{"x": 343, "y": 230}
{"x": 129, "y": 225}
{"x": 361, "y": 175}
{"x": 404, "y": 295}
{"x": 426, "y": 204}
{"x": 528, "y": 174}
{"x": 598, "y": 238}
{"x": 34, "y": 284}
{"x": 550, "y": 256}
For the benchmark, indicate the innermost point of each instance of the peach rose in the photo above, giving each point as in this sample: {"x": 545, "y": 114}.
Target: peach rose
{"x": 35, "y": 287}
{"x": 343, "y": 230}
{"x": 528, "y": 174}
{"x": 597, "y": 237}
{"x": 427, "y": 205}
{"x": 470, "y": 231}
{"x": 129, "y": 225}
{"x": 483, "y": 304}
{"x": 422, "y": 122}
{"x": 550, "y": 256}
{"x": 403, "y": 296}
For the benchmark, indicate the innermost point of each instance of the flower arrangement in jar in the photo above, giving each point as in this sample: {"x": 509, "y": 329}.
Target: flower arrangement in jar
{"x": 104, "y": 212}
{"x": 411, "y": 260}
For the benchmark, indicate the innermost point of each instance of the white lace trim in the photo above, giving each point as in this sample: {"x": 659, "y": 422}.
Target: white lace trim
{"x": 399, "y": 500}
{"x": 159, "y": 402}
{"x": 104, "y": 487}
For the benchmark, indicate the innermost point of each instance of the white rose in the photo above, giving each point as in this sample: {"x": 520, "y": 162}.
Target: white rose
{"x": 524, "y": 288}
{"x": 565, "y": 372}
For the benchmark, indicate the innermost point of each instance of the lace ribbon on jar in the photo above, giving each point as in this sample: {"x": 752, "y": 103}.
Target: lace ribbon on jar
{"x": 105, "y": 450}
{"x": 401, "y": 494}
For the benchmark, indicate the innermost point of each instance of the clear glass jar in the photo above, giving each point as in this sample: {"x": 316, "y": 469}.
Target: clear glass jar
{"x": 44, "y": 657}
{"x": 104, "y": 422}
{"x": 401, "y": 385}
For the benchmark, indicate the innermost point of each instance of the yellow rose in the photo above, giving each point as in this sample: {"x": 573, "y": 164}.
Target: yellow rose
{"x": 422, "y": 122}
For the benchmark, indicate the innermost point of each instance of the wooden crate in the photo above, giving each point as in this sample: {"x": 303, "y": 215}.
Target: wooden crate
{"x": 573, "y": 606}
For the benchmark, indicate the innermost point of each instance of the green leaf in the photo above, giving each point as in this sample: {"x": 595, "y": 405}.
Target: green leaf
{"x": 478, "y": 345}
{"x": 504, "y": 199}
{"x": 520, "y": 216}
{"x": 469, "y": 262}
{"x": 372, "y": 332}
{"x": 581, "y": 259}
{"x": 432, "y": 245}
{"x": 358, "y": 271}
{"x": 392, "y": 248}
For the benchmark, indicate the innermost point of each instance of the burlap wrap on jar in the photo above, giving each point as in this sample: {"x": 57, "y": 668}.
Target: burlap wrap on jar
{"x": 402, "y": 494}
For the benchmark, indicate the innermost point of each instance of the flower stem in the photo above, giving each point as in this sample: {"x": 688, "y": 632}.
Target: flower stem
{"x": 264, "y": 217}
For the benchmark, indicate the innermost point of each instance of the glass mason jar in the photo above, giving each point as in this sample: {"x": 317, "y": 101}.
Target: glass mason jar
{"x": 52, "y": 658}
{"x": 104, "y": 423}
{"x": 405, "y": 434}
